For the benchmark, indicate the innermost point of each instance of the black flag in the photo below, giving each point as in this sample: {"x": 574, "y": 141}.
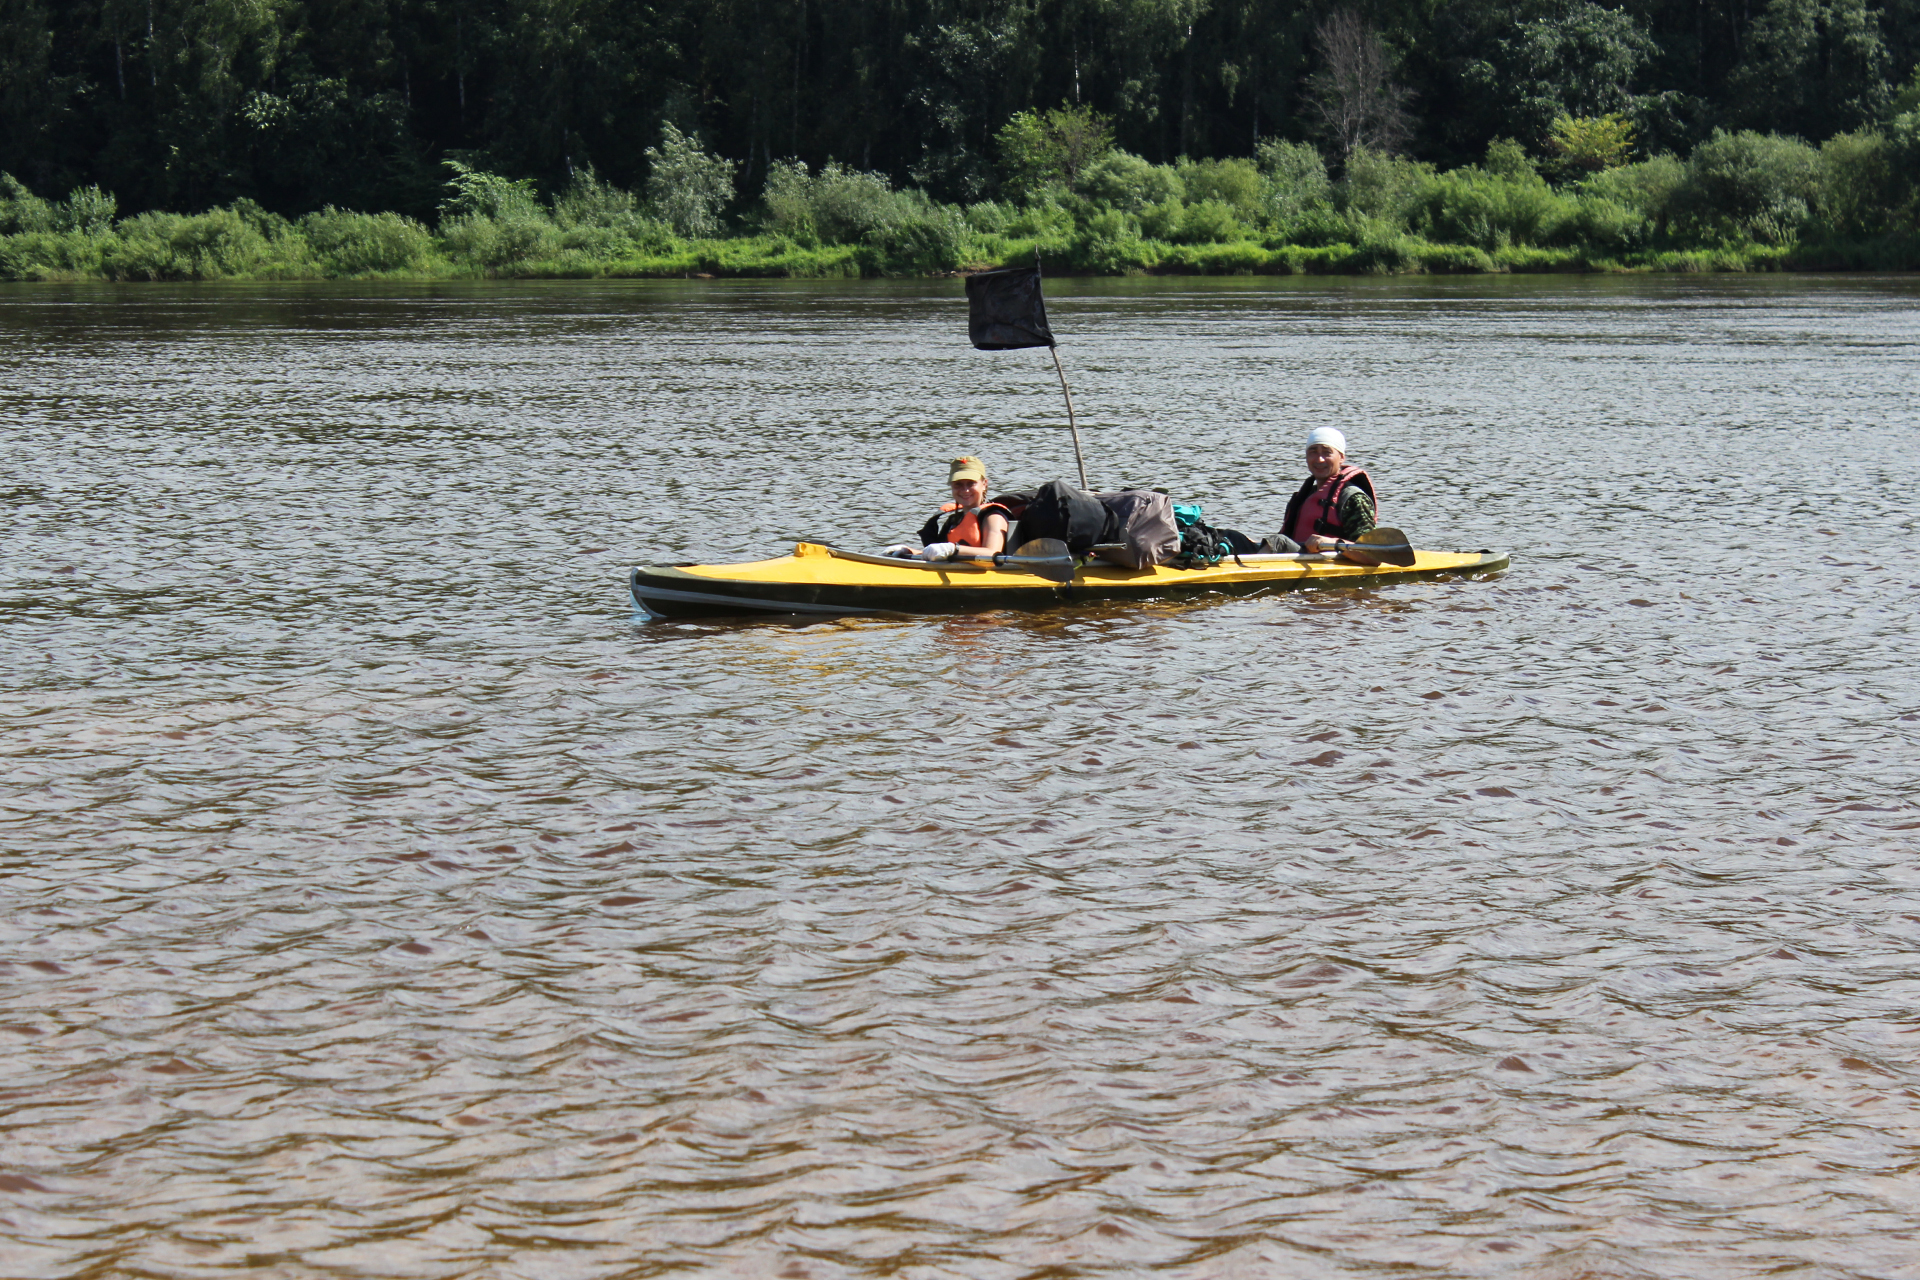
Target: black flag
{"x": 1005, "y": 310}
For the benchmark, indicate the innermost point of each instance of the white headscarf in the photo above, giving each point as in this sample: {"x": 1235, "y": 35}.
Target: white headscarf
{"x": 1327, "y": 435}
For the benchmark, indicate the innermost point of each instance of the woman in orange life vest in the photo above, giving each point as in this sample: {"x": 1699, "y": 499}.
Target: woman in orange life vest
{"x": 969, "y": 525}
{"x": 1334, "y": 505}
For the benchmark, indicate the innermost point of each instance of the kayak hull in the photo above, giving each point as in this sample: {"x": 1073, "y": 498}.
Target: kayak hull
{"x": 820, "y": 581}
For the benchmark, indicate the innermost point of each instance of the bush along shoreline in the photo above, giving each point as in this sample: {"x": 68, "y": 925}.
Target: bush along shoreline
{"x": 1740, "y": 201}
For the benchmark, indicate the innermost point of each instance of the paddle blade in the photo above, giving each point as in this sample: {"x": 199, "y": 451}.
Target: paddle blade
{"x": 1047, "y": 558}
{"x": 1382, "y": 546}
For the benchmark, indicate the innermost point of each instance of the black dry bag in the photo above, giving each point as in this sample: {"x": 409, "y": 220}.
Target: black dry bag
{"x": 1058, "y": 510}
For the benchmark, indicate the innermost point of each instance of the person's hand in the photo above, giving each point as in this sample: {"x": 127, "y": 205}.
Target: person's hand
{"x": 937, "y": 551}
{"x": 901, "y": 551}
{"x": 1314, "y": 542}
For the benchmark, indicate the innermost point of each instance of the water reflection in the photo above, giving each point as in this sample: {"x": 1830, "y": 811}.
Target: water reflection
{"x": 380, "y": 899}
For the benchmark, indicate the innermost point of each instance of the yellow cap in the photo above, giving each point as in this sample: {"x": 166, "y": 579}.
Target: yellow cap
{"x": 968, "y": 468}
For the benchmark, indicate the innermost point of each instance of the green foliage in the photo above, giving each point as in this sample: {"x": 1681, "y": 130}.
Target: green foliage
{"x": 239, "y": 240}
{"x": 1040, "y": 149}
{"x": 1908, "y": 98}
{"x": 20, "y": 209}
{"x": 1207, "y": 222}
{"x": 494, "y": 244}
{"x": 1490, "y": 210}
{"x": 1607, "y": 224}
{"x": 590, "y": 202}
{"x": 1380, "y": 186}
{"x": 1813, "y": 66}
{"x": 1454, "y": 259}
{"x": 1509, "y": 159}
{"x": 1578, "y": 59}
{"x": 1123, "y": 181}
{"x": 1870, "y": 181}
{"x": 686, "y": 185}
{"x": 474, "y": 193}
{"x": 1647, "y": 186}
{"x": 50, "y": 255}
{"x": 1295, "y": 180}
{"x": 1235, "y": 183}
{"x": 356, "y": 244}
{"x": 933, "y": 239}
{"x": 1747, "y": 186}
{"x": 1109, "y": 242}
{"x": 1591, "y": 144}
{"x": 834, "y": 206}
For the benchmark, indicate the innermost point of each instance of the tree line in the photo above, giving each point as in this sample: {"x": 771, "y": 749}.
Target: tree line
{"x": 301, "y": 105}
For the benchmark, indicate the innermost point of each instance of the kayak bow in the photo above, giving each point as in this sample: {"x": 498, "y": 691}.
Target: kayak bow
{"x": 818, "y": 579}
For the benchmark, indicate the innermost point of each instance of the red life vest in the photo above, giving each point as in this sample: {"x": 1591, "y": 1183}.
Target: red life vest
{"x": 1317, "y": 510}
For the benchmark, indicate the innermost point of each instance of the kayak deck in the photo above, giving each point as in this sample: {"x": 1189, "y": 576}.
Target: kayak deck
{"x": 817, "y": 579}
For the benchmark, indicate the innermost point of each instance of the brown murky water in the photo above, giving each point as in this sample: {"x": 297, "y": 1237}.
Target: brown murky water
{"x": 382, "y": 899}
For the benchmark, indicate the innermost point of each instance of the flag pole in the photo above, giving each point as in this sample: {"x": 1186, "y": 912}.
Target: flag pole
{"x": 1071, "y": 425}
{"x": 1054, "y": 349}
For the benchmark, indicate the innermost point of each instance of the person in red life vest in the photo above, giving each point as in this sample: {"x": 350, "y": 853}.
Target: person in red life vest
{"x": 1335, "y": 504}
{"x": 969, "y": 525}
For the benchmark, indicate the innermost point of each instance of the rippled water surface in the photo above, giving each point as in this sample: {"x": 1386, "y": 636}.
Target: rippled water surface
{"x": 382, "y": 898}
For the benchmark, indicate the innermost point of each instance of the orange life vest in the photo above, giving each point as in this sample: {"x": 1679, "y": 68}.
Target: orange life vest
{"x": 968, "y": 529}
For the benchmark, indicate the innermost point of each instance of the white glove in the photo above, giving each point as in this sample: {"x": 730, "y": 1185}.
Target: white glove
{"x": 937, "y": 551}
{"x": 901, "y": 551}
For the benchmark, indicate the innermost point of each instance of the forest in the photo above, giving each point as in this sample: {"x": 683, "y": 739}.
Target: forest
{"x": 166, "y": 139}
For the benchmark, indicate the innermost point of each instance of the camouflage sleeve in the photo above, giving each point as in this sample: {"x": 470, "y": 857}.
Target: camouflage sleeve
{"x": 1356, "y": 512}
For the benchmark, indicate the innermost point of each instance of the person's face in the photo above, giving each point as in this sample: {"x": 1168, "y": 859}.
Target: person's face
{"x": 969, "y": 493}
{"x": 1323, "y": 460}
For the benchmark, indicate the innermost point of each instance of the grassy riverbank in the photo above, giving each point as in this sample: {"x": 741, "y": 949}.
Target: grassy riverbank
{"x": 1739, "y": 202}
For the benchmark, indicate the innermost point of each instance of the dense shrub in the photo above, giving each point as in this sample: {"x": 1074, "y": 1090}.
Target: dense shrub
{"x": 686, "y": 186}
{"x": 834, "y": 206}
{"x": 495, "y": 243}
{"x": 590, "y": 202}
{"x": 1294, "y": 181}
{"x": 1109, "y": 242}
{"x": 1870, "y": 181}
{"x": 1647, "y": 187}
{"x": 1236, "y": 184}
{"x": 352, "y": 244}
{"x": 1046, "y": 221}
{"x": 932, "y": 238}
{"x": 1747, "y": 186}
{"x": 20, "y": 209}
{"x": 1318, "y": 225}
{"x": 1376, "y": 185}
{"x": 1606, "y": 224}
{"x": 1489, "y": 210}
{"x": 87, "y": 210}
{"x": 474, "y": 193}
{"x": 1210, "y": 222}
{"x": 49, "y": 255}
{"x": 1454, "y": 259}
{"x": 240, "y": 240}
{"x": 1123, "y": 181}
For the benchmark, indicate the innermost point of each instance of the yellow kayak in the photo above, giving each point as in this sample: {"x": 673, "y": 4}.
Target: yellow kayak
{"x": 818, "y": 579}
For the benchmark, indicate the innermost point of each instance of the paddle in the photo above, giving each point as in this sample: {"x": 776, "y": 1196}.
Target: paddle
{"x": 1380, "y": 546}
{"x": 1046, "y": 558}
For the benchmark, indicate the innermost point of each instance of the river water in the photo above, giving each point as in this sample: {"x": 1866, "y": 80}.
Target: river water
{"x": 382, "y": 898}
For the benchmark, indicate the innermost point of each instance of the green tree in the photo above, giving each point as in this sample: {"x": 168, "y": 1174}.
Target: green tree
{"x": 1812, "y": 67}
{"x": 1579, "y": 60}
{"x": 1054, "y": 147}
